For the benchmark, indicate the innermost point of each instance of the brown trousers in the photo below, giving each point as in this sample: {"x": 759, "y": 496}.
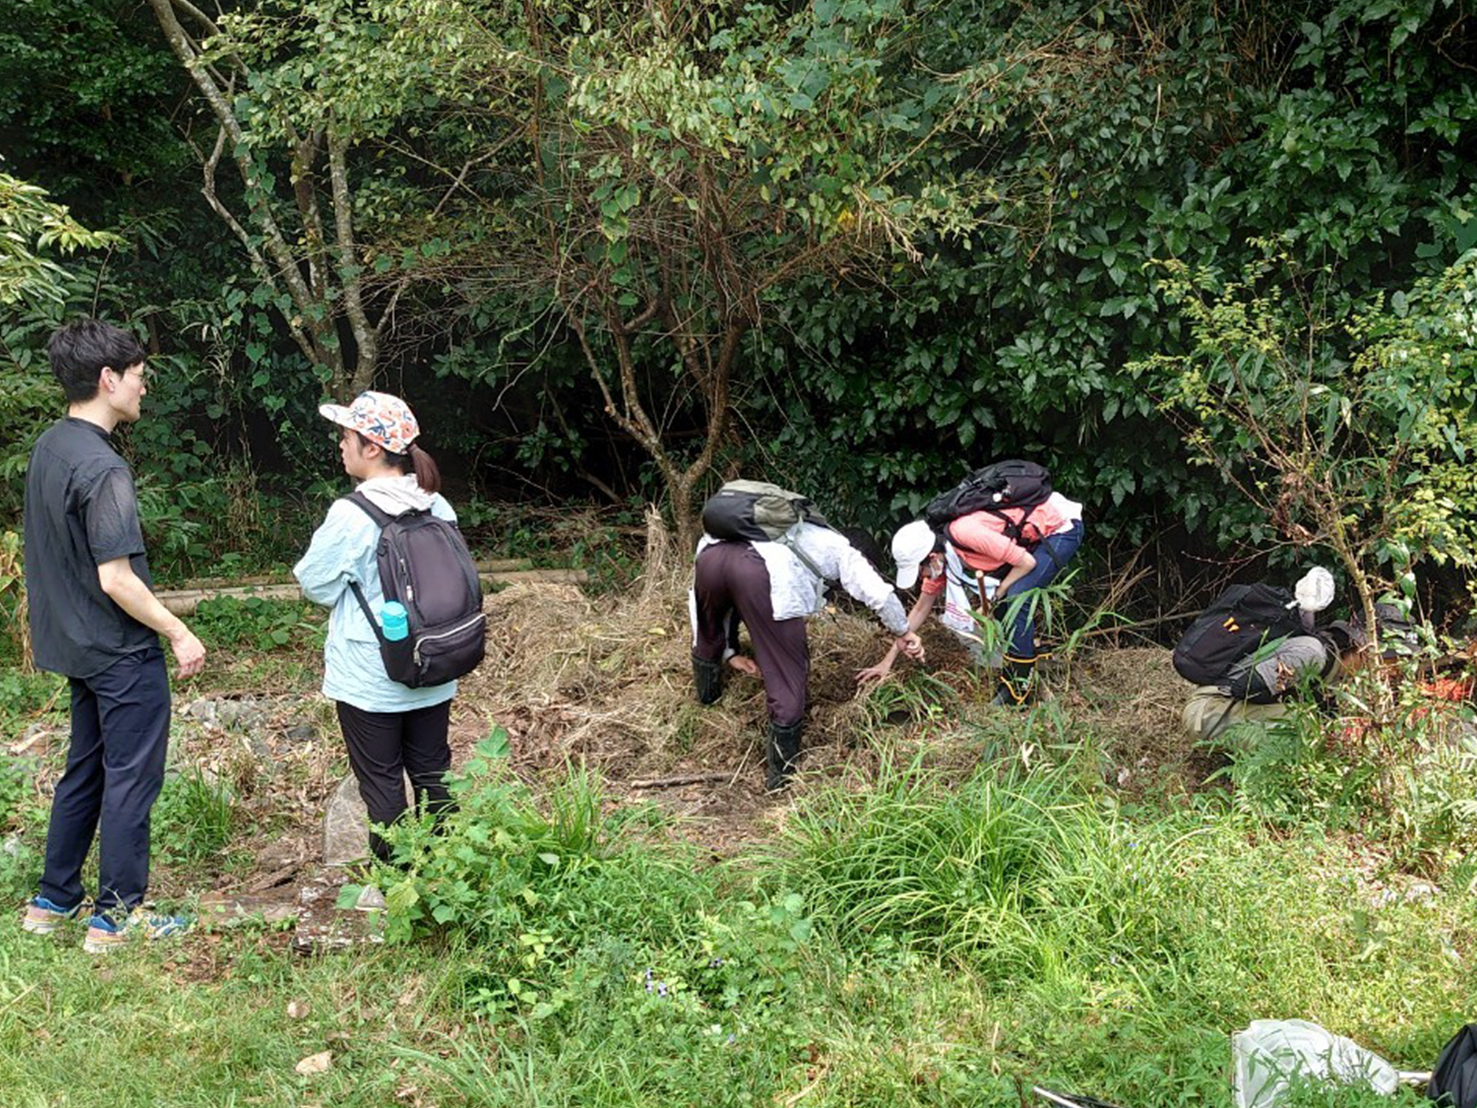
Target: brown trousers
{"x": 732, "y": 580}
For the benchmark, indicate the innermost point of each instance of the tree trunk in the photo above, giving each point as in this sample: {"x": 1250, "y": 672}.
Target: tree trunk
{"x": 684, "y": 515}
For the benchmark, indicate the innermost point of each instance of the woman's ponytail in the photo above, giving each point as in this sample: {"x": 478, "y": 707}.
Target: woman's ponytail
{"x": 427, "y": 473}
{"x": 414, "y": 460}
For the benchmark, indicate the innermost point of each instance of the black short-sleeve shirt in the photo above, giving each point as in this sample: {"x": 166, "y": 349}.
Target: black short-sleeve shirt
{"x": 81, "y": 511}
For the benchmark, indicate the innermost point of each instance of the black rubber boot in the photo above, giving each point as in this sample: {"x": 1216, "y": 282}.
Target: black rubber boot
{"x": 782, "y": 753}
{"x": 1016, "y": 686}
{"x": 708, "y": 678}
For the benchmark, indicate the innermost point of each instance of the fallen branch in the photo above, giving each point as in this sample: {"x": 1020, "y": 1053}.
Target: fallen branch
{"x": 681, "y": 779}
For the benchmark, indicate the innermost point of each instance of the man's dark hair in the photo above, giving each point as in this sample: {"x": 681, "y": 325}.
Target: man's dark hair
{"x": 79, "y": 350}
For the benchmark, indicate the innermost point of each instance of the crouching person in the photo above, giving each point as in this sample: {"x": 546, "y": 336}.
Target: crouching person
{"x": 765, "y": 560}
{"x": 1001, "y": 534}
{"x": 1255, "y": 647}
{"x": 395, "y": 724}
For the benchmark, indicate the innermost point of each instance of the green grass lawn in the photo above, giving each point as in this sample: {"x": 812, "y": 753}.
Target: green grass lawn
{"x": 910, "y": 939}
{"x": 900, "y": 947}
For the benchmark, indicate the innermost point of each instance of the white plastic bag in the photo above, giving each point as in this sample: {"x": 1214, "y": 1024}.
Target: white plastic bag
{"x": 1269, "y": 1054}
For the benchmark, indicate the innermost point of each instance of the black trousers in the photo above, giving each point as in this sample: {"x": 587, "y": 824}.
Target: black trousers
{"x": 732, "y": 577}
{"x": 115, "y": 768}
{"x": 387, "y": 747}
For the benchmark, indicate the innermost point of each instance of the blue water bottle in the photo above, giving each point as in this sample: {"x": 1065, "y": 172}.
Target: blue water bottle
{"x": 394, "y": 621}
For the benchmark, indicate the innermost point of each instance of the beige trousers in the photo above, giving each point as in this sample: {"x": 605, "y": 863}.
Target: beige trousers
{"x": 1210, "y": 713}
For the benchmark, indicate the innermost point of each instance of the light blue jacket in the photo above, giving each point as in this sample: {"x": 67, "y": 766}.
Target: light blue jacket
{"x": 343, "y": 550}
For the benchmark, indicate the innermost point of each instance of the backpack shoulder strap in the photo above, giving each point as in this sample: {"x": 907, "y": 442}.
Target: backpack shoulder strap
{"x": 788, "y": 540}
{"x": 374, "y": 624}
{"x": 371, "y": 509}
{"x": 382, "y": 519}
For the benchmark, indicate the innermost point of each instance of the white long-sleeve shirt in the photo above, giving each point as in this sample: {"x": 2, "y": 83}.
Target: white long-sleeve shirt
{"x": 794, "y": 590}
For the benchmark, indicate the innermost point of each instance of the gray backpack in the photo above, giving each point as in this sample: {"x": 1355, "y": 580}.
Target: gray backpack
{"x": 757, "y": 511}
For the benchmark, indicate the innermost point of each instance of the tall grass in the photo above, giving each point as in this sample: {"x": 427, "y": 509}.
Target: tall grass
{"x": 978, "y": 870}
{"x": 1032, "y": 881}
{"x": 920, "y": 942}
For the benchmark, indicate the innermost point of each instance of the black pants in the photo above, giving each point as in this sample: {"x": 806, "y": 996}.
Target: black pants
{"x": 115, "y": 768}
{"x": 732, "y": 577}
{"x": 385, "y": 748}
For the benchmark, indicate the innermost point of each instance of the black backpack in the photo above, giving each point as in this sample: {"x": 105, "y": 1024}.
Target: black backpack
{"x": 1454, "y": 1081}
{"x": 1007, "y": 484}
{"x": 1240, "y": 622}
{"x": 425, "y": 565}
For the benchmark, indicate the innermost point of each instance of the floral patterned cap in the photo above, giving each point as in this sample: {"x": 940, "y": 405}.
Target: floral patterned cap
{"x": 384, "y": 420}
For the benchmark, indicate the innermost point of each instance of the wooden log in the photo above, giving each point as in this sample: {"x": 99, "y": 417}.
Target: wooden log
{"x": 183, "y": 602}
{"x": 485, "y": 565}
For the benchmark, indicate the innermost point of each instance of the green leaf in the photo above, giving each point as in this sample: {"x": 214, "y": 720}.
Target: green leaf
{"x": 496, "y": 745}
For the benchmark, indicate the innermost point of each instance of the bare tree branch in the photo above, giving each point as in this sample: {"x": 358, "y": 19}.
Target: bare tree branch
{"x": 365, "y": 336}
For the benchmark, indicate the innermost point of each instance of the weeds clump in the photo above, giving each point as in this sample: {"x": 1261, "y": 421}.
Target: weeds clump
{"x": 1409, "y": 788}
{"x": 977, "y": 870}
{"x": 527, "y": 886}
{"x": 259, "y": 624}
{"x": 624, "y": 972}
{"x": 193, "y": 820}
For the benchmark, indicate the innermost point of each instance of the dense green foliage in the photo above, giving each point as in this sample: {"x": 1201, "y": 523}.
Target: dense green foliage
{"x": 920, "y": 942}
{"x": 622, "y": 249}
{"x": 977, "y": 902}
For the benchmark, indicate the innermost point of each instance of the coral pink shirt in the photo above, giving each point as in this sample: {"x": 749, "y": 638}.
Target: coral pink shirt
{"x": 983, "y": 545}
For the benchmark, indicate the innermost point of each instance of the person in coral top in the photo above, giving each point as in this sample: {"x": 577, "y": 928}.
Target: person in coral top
{"x": 976, "y": 558}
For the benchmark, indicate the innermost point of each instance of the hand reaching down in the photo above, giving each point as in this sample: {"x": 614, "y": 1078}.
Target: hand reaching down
{"x": 745, "y": 664}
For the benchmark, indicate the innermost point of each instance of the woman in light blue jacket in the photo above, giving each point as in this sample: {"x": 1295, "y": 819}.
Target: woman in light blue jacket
{"x": 391, "y": 730}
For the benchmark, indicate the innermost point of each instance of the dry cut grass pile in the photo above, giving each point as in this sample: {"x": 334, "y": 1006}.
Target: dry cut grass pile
{"x": 607, "y": 682}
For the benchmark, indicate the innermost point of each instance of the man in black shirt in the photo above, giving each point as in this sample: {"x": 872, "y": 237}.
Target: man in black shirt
{"x": 95, "y": 619}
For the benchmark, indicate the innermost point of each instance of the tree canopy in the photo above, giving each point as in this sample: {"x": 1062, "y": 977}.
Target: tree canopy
{"x": 627, "y": 249}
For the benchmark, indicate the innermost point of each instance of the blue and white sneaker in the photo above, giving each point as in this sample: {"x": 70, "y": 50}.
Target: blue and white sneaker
{"x": 104, "y": 935}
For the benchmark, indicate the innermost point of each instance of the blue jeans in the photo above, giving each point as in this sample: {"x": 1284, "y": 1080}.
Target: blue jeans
{"x": 115, "y": 768}
{"x": 1052, "y": 556}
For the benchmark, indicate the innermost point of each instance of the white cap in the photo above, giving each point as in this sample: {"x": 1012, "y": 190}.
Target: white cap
{"x": 912, "y": 543}
{"x": 1315, "y": 590}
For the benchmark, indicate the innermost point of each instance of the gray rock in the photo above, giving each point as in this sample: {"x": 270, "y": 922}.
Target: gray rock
{"x": 346, "y": 824}
{"x": 261, "y": 749}
{"x": 229, "y": 713}
{"x": 301, "y": 733}
{"x": 203, "y": 710}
